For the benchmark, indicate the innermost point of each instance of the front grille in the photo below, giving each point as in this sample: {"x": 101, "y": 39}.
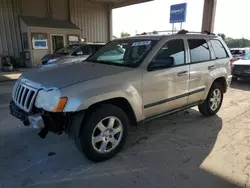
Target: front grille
{"x": 241, "y": 68}
{"x": 24, "y": 96}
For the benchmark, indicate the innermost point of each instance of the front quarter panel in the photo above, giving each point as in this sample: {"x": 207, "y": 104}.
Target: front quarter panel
{"x": 125, "y": 85}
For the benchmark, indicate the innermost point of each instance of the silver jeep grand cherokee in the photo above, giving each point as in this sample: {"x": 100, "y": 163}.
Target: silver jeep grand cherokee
{"x": 129, "y": 80}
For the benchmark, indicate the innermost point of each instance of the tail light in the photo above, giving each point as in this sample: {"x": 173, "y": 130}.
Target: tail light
{"x": 230, "y": 65}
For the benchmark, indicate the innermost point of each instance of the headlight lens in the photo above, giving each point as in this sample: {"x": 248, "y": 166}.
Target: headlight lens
{"x": 52, "y": 61}
{"x": 47, "y": 100}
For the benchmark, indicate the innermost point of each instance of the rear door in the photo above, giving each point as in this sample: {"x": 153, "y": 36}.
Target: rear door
{"x": 202, "y": 65}
{"x": 222, "y": 57}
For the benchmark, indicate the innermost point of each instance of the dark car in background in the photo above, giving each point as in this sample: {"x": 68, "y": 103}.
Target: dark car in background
{"x": 69, "y": 54}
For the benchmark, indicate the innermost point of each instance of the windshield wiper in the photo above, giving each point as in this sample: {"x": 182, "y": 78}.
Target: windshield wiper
{"x": 110, "y": 63}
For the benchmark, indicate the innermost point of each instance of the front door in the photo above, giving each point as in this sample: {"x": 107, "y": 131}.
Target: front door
{"x": 167, "y": 89}
{"x": 57, "y": 42}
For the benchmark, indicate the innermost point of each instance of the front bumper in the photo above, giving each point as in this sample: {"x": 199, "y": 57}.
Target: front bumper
{"x": 241, "y": 71}
{"x": 241, "y": 75}
{"x": 28, "y": 119}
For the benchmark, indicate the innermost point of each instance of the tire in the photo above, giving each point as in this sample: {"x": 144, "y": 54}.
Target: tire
{"x": 234, "y": 78}
{"x": 207, "y": 108}
{"x": 108, "y": 143}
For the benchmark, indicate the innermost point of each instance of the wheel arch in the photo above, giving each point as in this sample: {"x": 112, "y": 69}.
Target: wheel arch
{"x": 119, "y": 102}
{"x": 222, "y": 81}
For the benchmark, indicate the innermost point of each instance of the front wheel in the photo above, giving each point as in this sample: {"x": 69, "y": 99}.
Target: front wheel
{"x": 213, "y": 101}
{"x": 104, "y": 133}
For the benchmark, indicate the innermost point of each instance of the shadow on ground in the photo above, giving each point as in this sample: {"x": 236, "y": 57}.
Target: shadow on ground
{"x": 241, "y": 84}
{"x": 166, "y": 152}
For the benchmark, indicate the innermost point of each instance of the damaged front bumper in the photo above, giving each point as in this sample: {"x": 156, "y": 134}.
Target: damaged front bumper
{"x": 45, "y": 121}
{"x": 33, "y": 120}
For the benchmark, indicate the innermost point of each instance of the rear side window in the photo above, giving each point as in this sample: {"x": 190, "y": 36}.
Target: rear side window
{"x": 199, "y": 50}
{"x": 219, "y": 49}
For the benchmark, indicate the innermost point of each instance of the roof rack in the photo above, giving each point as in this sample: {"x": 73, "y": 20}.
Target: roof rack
{"x": 183, "y": 31}
{"x": 194, "y": 32}
{"x": 157, "y": 32}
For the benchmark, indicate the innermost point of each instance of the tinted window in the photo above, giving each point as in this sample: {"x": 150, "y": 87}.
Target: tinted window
{"x": 97, "y": 47}
{"x": 199, "y": 50}
{"x": 238, "y": 52}
{"x": 175, "y": 49}
{"x": 219, "y": 49}
{"x": 86, "y": 50}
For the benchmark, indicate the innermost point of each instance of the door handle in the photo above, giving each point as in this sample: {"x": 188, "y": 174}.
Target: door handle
{"x": 182, "y": 73}
{"x": 211, "y": 67}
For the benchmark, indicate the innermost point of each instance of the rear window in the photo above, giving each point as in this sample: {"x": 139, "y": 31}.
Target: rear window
{"x": 219, "y": 49}
{"x": 237, "y": 52}
{"x": 199, "y": 50}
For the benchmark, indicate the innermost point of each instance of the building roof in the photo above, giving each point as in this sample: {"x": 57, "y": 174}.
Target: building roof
{"x": 49, "y": 23}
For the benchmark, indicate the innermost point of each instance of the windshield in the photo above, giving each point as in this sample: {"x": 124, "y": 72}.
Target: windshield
{"x": 127, "y": 52}
{"x": 67, "y": 50}
{"x": 246, "y": 57}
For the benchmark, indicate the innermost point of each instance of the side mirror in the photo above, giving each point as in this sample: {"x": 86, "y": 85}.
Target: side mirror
{"x": 161, "y": 63}
{"x": 79, "y": 53}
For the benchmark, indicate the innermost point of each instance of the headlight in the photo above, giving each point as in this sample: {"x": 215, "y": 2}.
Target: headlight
{"x": 50, "y": 100}
{"x": 52, "y": 61}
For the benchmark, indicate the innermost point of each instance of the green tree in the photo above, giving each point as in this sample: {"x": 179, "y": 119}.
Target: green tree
{"x": 237, "y": 43}
{"x": 222, "y": 35}
{"x": 155, "y": 32}
{"x": 124, "y": 34}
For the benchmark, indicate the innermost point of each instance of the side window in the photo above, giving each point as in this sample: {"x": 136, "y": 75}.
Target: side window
{"x": 86, "y": 50}
{"x": 219, "y": 49}
{"x": 173, "y": 48}
{"x": 97, "y": 47}
{"x": 199, "y": 50}
{"x": 77, "y": 52}
{"x": 213, "y": 56}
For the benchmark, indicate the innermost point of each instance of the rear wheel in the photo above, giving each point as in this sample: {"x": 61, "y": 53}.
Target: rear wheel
{"x": 213, "y": 101}
{"x": 104, "y": 133}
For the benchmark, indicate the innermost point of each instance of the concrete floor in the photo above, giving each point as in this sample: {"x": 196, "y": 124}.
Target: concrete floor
{"x": 181, "y": 150}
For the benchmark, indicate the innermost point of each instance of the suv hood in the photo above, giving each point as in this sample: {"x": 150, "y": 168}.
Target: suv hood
{"x": 68, "y": 74}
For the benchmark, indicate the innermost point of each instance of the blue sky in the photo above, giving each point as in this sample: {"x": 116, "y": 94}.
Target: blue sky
{"x": 231, "y": 17}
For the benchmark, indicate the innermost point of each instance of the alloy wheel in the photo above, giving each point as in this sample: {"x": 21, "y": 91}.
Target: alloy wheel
{"x": 215, "y": 99}
{"x": 107, "y": 134}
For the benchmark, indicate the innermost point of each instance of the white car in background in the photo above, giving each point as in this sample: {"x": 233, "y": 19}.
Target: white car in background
{"x": 241, "y": 68}
{"x": 238, "y": 53}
